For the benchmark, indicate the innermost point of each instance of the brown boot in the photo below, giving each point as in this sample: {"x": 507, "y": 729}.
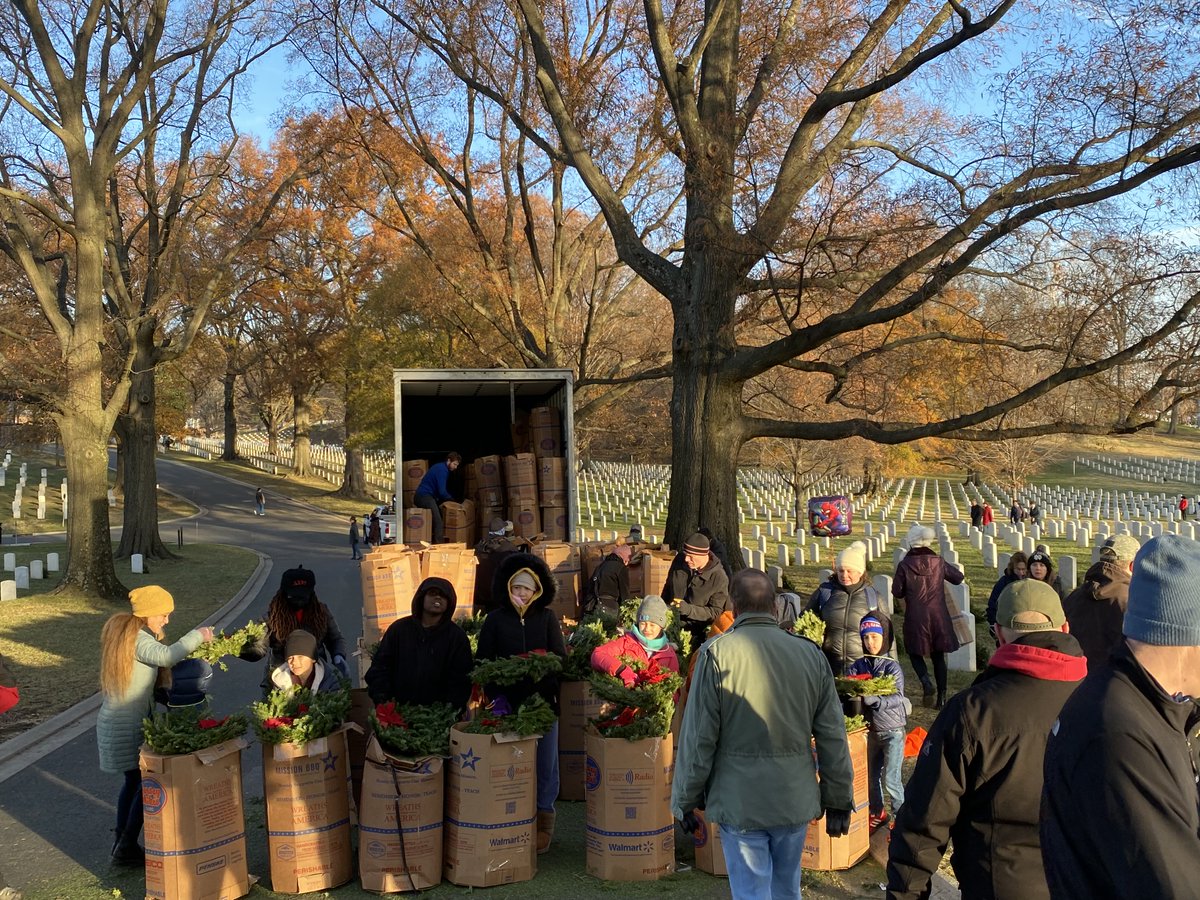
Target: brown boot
{"x": 545, "y": 830}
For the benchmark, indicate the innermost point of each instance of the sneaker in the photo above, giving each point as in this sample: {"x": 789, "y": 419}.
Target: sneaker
{"x": 876, "y": 820}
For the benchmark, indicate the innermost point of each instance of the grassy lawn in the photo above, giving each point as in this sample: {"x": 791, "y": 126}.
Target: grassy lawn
{"x": 561, "y": 873}
{"x": 52, "y": 640}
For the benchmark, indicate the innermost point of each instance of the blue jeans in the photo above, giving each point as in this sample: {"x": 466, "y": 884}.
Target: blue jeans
{"x": 547, "y": 769}
{"x": 885, "y": 761}
{"x": 764, "y": 864}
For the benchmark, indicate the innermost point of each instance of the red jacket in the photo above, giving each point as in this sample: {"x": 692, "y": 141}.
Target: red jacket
{"x": 607, "y": 657}
{"x": 9, "y": 695}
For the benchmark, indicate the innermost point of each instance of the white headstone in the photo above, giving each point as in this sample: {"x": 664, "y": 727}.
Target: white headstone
{"x": 1068, "y": 573}
{"x": 8, "y": 590}
{"x": 10, "y": 562}
{"x": 22, "y": 578}
{"x": 775, "y": 573}
{"x": 135, "y": 563}
{"x": 51, "y": 562}
{"x": 36, "y": 569}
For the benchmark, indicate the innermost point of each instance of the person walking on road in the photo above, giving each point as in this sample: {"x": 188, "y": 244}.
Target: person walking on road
{"x": 355, "y": 538}
{"x": 131, "y": 654}
{"x": 260, "y": 502}
{"x": 745, "y": 754}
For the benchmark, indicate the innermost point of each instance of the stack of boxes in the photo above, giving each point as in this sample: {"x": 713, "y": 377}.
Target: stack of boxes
{"x": 527, "y": 488}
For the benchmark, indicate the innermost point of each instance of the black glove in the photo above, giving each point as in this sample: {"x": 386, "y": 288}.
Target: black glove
{"x": 691, "y": 824}
{"x": 837, "y": 822}
{"x": 255, "y": 650}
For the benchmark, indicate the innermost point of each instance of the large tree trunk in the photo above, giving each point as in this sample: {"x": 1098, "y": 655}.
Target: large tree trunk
{"x": 302, "y": 443}
{"x": 706, "y": 415}
{"x": 89, "y": 544}
{"x": 354, "y": 477}
{"x": 139, "y": 533}
{"x": 231, "y": 429}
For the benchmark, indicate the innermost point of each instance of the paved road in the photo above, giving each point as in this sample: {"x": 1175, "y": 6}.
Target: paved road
{"x": 57, "y": 812}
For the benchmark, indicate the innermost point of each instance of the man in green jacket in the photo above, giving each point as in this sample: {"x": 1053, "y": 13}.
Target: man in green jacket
{"x": 759, "y": 696}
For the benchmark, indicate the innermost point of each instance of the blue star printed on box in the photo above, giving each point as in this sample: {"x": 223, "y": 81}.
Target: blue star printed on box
{"x": 468, "y": 759}
{"x": 330, "y": 760}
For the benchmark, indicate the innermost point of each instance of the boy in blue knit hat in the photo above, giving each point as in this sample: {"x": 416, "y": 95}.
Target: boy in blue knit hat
{"x": 887, "y": 716}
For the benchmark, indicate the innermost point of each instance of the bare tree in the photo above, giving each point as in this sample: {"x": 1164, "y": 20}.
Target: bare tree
{"x": 831, "y": 212}
{"x": 93, "y": 92}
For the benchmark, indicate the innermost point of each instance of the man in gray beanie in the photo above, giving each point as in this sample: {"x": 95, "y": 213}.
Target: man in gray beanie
{"x": 1121, "y": 805}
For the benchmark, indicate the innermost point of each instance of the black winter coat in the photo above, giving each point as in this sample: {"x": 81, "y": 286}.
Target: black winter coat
{"x": 703, "y": 595}
{"x": 1096, "y": 611}
{"x": 842, "y": 609}
{"x": 1121, "y": 807}
{"x": 609, "y": 585}
{"x": 415, "y": 664}
{"x": 506, "y": 633}
{"x": 978, "y": 778}
{"x": 489, "y": 552}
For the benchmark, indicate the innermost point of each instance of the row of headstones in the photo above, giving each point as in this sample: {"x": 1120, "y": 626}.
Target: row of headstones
{"x": 1159, "y": 469}
{"x": 18, "y": 500}
{"x": 36, "y": 570}
{"x": 39, "y": 569}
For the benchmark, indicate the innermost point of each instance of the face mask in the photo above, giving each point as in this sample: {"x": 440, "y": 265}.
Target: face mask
{"x": 298, "y": 602}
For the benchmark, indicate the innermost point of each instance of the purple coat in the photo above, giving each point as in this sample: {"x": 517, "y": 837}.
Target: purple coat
{"x": 919, "y": 587}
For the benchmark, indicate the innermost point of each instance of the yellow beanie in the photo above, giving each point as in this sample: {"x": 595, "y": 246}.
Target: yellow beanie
{"x": 151, "y": 600}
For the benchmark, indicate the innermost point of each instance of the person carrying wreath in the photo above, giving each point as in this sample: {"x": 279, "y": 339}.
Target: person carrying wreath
{"x": 132, "y": 659}
{"x": 521, "y": 621}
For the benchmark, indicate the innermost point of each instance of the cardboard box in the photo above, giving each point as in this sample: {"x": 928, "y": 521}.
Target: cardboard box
{"x": 489, "y": 471}
{"x": 554, "y": 523}
{"x": 577, "y": 704}
{"x": 710, "y": 855}
{"x": 456, "y": 563}
{"x": 826, "y": 853}
{"x": 405, "y": 855}
{"x": 413, "y": 471}
{"x": 526, "y": 519}
{"x": 307, "y": 794}
{"x": 552, "y": 481}
{"x": 195, "y": 830}
{"x": 389, "y": 577}
{"x": 458, "y": 522}
{"x": 563, "y": 561}
{"x": 471, "y": 480}
{"x": 545, "y": 426}
{"x": 356, "y": 740}
{"x": 491, "y": 796}
{"x": 485, "y": 514}
{"x": 418, "y": 525}
{"x": 591, "y": 554}
{"x": 648, "y": 573}
{"x": 630, "y": 829}
{"x": 521, "y": 478}
{"x": 522, "y": 438}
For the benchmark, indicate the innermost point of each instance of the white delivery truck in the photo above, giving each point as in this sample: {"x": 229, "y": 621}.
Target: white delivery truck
{"x": 477, "y": 413}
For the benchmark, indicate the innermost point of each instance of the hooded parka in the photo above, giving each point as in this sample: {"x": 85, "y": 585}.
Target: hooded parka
{"x": 416, "y": 664}
{"x": 506, "y": 632}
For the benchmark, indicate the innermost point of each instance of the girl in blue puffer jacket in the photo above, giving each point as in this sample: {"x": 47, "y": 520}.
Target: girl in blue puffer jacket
{"x": 886, "y": 715}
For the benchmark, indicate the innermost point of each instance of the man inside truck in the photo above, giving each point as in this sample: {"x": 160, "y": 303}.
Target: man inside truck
{"x": 434, "y": 490}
